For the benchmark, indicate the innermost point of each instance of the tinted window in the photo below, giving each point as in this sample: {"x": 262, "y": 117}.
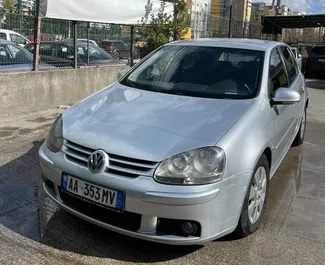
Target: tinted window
{"x": 3, "y": 36}
{"x": 12, "y": 54}
{"x": 212, "y": 72}
{"x": 17, "y": 39}
{"x": 277, "y": 75}
{"x": 318, "y": 50}
{"x": 95, "y": 53}
{"x": 290, "y": 63}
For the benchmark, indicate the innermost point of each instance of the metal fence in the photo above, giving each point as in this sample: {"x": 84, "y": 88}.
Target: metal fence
{"x": 57, "y": 46}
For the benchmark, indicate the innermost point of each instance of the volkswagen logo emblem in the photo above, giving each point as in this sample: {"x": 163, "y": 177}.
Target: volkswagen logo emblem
{"x": 98, "y": 162}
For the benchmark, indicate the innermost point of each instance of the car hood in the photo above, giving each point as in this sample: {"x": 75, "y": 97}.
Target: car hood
{"x": 149, "y": 125}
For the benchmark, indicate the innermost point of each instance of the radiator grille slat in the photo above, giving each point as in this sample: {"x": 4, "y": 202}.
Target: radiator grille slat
{"x": 119, "y": 165}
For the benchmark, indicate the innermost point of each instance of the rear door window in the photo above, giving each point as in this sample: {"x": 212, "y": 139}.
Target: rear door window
{"x": 3, "y": 36}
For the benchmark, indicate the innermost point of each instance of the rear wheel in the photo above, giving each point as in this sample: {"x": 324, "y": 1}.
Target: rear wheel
{"x": 116, "y": 55}
{"x": 302, "y": 129}
{"x": 255, "y": 200}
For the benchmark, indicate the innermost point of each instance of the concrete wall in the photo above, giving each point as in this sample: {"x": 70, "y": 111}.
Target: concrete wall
{"x": 27, "y": 91}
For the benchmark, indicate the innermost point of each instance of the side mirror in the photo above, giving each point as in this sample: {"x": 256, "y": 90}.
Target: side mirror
{"x": 285, "y": 96}
{"x": 121, "y": 74}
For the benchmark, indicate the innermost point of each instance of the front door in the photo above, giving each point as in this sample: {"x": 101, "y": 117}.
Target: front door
{"x": 283, "y": 115}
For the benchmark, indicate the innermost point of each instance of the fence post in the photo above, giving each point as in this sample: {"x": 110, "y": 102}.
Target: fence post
{"x": 88, "y": 37}
{"x": 37, "y": 33}
{"x": 230, "y": 21}
{"x": 75, "y": 47}
{"x": 131, "y": 46}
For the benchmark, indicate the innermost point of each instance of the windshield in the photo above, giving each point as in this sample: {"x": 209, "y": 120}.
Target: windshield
{"x": 95, "y": 53}
{"x": 212, "y": 72}
{"x": 14, "y": 54}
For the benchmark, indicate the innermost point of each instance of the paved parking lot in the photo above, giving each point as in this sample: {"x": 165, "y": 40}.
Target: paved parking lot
{"x": 34, "y": 231}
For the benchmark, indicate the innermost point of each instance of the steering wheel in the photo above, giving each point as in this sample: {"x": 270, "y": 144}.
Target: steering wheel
{"x": 244, "y": 85}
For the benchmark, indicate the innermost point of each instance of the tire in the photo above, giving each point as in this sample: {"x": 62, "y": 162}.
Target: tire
{"x": 116, "y": 55}
{"x": 302, "y": 130}
{"x": 136, "y": 54}
{"x": 248, "y": 221}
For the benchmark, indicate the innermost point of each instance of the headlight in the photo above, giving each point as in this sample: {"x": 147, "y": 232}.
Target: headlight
{"x": 200, "y": 166}
{"x": 54, "y": 139}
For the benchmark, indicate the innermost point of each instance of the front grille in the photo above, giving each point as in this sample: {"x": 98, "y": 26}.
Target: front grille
{"x": 119, "y": 165}
{"x": 125, "y": 220}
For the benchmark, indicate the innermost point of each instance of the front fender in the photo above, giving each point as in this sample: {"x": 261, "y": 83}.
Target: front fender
{"x": 246, "y": 141}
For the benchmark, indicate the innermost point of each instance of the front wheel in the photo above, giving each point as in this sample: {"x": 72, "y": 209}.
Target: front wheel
{"x": 302, "y": 129}
{"x": 255, "y": 200}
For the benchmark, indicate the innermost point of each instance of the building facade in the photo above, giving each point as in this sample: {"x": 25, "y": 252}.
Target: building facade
{"x": 257, "y": 8}
{"x": 219, "y": 17}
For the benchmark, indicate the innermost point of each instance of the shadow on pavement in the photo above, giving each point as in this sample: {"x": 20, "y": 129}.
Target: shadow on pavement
{"x": 19, "y": 180}
{"x": 26, "y": 210}
{"x": 315, "y": 83}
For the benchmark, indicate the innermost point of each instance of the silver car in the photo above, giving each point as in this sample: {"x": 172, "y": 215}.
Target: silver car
{"x": 181, "y": 149}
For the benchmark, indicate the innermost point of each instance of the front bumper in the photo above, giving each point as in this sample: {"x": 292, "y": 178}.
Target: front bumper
{"x": 215, "y": 207}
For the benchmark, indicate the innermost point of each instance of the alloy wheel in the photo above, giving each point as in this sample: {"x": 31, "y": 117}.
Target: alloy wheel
{"x": 257, "y": 195}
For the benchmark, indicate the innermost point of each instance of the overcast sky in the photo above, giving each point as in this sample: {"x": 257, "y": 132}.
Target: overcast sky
{"x": 309, "y": 6}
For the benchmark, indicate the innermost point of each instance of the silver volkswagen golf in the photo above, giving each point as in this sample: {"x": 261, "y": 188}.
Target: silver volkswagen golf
{"x": 181, "y": 149}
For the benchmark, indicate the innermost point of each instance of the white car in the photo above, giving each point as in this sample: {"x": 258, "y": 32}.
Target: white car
{"x": 13, "y": 36}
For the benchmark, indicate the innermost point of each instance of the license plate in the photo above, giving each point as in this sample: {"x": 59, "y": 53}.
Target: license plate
{"x": 93, "y": 193}
{"x": 322, "y": 60}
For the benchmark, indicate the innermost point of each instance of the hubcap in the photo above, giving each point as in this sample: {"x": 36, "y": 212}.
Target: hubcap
{"x": 303, "y": 125}
{"x": 257, "y": 195}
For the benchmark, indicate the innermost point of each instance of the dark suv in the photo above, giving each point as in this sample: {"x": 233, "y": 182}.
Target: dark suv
{"x": 315, "y": 65}
{"x": 118, "y": 49}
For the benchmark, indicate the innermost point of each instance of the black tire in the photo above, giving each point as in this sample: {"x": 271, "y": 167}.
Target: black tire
{"x": 245, "y": 227}
{"x": 302, "y": 130}
{"x": 136, "y": 54}
{"x": 116, "y": 55}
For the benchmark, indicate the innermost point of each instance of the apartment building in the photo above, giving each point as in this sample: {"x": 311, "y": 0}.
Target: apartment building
{"x": 242, "y": 10}
{"x": 257, "y": 8}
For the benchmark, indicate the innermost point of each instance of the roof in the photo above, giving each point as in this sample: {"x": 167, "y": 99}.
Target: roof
{"x": 254, "y": 44}
{"x": 275, "y": 24}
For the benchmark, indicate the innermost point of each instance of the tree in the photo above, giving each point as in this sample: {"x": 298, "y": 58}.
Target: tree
{"x": 163, "y": 27}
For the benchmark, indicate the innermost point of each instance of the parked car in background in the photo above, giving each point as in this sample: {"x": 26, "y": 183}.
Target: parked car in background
{"x": 13, "y": 37}
{"x": 182, "y": 148}
{"x": 119, "y": 49}
{"x": 61, "y": 54}
{"x": 298, "y": 57}
{"x": 14, "y": 57}
{"x": 304, "y": 49}
{"x": 85, "y": 41}
{"x": 315, "y": 65}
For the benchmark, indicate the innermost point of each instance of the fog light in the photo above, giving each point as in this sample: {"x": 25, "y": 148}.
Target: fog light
{"x": 188, "y": 228}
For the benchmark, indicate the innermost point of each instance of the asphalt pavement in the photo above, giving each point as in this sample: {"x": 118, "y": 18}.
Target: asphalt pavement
{"x": 34, "y": 231}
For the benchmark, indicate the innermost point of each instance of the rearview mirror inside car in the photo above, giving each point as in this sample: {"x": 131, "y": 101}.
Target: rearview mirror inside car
{"x": 285, "y": 96}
